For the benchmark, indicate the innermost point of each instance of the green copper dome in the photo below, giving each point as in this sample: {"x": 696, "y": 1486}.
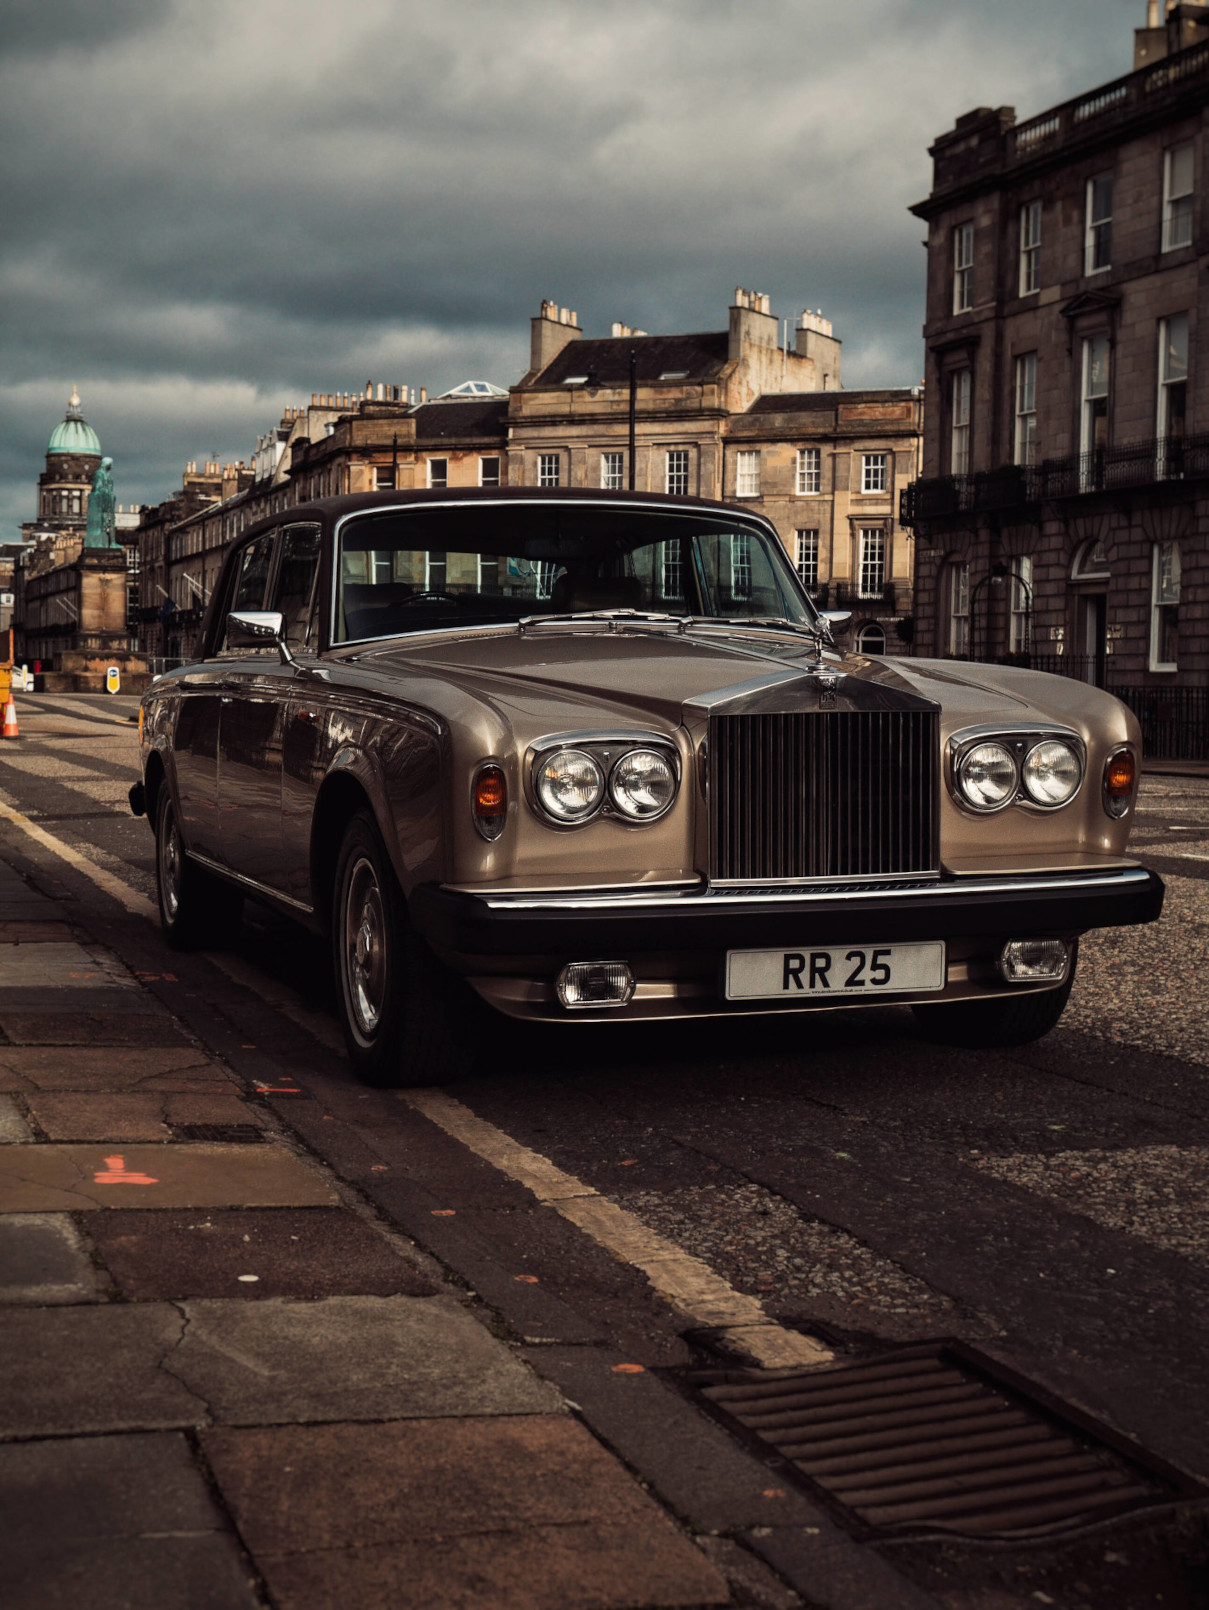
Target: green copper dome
{"x": 75, "y": 434}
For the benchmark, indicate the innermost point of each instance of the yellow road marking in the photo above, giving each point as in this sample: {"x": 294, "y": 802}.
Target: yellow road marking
{"x": 106, "y": 881}
{"x": 688, "y": 1283}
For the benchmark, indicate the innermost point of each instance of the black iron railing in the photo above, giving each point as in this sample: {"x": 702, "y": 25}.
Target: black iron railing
{"x": 1016, "y": 486}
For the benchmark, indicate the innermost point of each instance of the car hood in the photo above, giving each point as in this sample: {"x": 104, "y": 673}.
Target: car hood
{"x": 658, "y": 672}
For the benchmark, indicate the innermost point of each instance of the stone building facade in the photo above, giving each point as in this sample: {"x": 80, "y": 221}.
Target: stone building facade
{"x": 745, "y": 413}
{"x": 1063, "y": 513}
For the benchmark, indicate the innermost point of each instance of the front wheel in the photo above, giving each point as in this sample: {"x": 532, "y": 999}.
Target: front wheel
{"x": 405, "y": 1017}
{"x": 1007, "y": 1020}
{"x": 195, "y": 907}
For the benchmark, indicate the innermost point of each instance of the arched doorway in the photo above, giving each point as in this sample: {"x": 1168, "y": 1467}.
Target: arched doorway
{"x": 871, "y": 639}
{"x": 1089, "y": 579}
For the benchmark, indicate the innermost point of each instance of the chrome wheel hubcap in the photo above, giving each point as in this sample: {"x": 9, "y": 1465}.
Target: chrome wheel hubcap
{"x": 365, "y": 947}
{"x": 170, "y": 867}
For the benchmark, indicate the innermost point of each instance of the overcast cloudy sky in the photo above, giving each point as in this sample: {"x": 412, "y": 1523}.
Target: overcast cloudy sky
{"x": 212, "y": 209}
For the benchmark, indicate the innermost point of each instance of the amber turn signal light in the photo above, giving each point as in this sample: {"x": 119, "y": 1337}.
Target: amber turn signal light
{"x": 1120, "y": 778}
{"x": 489, "y": 801}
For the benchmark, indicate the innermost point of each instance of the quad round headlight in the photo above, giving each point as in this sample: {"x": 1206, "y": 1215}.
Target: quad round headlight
{"x": 642, "y": 785}
{"x": 570, "y": 785}
{"x": 1051, "y": 773}
{"x": 987, "y": 776}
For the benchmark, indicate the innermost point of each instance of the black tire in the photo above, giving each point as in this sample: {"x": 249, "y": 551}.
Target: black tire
{"x": 406, "y": 1019}
{"x": 1006, "y": 1020}
{"x": 195, "y": 907}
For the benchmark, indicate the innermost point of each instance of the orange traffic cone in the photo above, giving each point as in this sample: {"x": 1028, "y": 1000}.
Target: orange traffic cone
{"x": 10, "y": 720}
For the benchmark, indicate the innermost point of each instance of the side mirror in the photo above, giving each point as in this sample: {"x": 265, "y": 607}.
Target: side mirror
{"x": 837, "y": 621}
{"x": 258, "y": 628}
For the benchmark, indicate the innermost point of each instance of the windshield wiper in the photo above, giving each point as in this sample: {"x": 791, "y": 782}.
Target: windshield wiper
{"x": 614, "y": 616}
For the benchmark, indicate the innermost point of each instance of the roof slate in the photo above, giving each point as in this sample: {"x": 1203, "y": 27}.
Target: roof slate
{"x": 440, "y": 421}
{"x": 608, "y": 360}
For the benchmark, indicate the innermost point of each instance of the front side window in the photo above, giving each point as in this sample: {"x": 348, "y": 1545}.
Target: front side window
{"x": 549, "y": 468}
{"x": 873, "y": 472}
{"x": 963, "y": 268}
{"x": 1177, "y": 197}
{"x": 294, "y": 591}
{"x": 1025, "y": 444}
{"x": 1165, "y": 607}
{"x": 248, "y": 584}
{"x": 1093, "y": 426}
{"x": 676, "y": 472}
{"x": 1021, "y": 604}
{"x": 747, "y": 478}
{"x": 438, "y": 472}
{"x": 1030, "y": 248}
{"x": 1097, "y": 240}
{"x": 809, "y": 471}
{"x": 872, "y": 573}
{"x": 957, "y": 602}
{"x": 489, "y": 470}
{"x": 612, "y": 471}
{"x": 959, "y": 426}
{"x": 806, "y": 558}
{"x": 448, "y": 567}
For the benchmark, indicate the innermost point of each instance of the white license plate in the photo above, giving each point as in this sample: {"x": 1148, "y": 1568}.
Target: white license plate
{"x": 815, "y": 973}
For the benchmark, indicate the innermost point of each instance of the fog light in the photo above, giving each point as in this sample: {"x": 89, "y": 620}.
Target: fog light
{"x": 1034, "y": 961}
{"x": 583, "y": 984}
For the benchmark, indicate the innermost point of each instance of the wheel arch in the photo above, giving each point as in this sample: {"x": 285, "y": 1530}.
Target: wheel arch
{"x": 155, "y": 777}
{"x": 340, "y": 798}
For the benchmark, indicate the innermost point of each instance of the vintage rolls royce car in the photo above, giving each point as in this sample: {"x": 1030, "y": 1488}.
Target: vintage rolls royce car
{"x": 585, "y": 756}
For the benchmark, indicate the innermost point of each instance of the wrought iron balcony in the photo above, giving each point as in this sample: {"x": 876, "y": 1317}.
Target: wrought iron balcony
{"x": 1014, "y": 487}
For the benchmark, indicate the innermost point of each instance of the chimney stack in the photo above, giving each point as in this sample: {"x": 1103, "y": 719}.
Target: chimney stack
{"x": 553, "y": 329}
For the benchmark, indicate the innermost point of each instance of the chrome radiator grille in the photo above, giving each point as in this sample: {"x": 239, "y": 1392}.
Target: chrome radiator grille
{"x": 843, "y": 794}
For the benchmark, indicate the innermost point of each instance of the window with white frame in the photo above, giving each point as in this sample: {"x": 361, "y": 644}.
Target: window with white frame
{"x": 1165, "y": 607}
{"x": 438, "y": 472}
{"x": 740, "y": 565}
{"x": 747, "y": 476}
{"x": 1024, "y": 447}
{"x": 871, "y": 570}
{"x": 963, "y": 268}
{"x": 1177, "y": 197}
{"x": 676, "y": 472}
{"x": 612, "y": 471}
{"x": 1093, "y": 418}
{"x": 547, "y": 571}
{"x": 1173, "y": 377}
{"x": 549, "y": 469}
{"x": 489, "y": 573}
{"x": 957, "y": 608}
{"x": 874, "y": 472}
{"x": 1020, "y": 604}
{"x": 809, "y": 478}
{"x": 871, "y": 639}
{"x": 1097, "y": 238}
{"x": 1030, "y": 248}
{"x": 806, "y": 558}
{"x": 960, "y": 386}
{"x": 489, "y": 471}
{"x": 384, "y": 477}
{"x": 436, "y": 570}
{"x": 671, "y": 571}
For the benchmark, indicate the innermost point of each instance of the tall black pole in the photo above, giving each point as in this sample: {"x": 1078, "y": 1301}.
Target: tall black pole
{"x": 633, "y": 413}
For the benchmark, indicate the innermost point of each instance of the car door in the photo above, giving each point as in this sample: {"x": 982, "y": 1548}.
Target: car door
{"x": 296, "y": 596}
{"x": 255, "y": 685}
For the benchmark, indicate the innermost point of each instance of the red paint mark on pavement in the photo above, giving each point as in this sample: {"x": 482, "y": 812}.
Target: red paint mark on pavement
{"x": 527, "y": 1280}
{"x": 628, "y": 1162}
{"x": 444, "y": 1213}
{"x": 379, "y": 1168}
{"x": 115, "y": 1172}
{"x": 774, "y": 1492}
{"x": 629, "y": 1369}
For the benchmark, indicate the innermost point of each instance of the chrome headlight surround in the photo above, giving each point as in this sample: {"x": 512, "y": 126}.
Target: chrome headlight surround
{"x": 608, "y": 751}
{"x": 1021, "y": 745}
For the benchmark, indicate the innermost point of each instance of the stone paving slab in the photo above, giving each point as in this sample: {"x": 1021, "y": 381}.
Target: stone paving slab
{"x": 452, "y": 1514}
{"x": 44, "y": 1260}
{"x": 82, "y": 1025}
{"x": 133, "y": 1115}
{"x": 71, "y": 1370}
{"x": 54, "y": 1178}
{"x": 23, "y": 930}
{"x": 114, "y": 1523}
{"x": 14, "y": 1131}
{"x": 314, "y": 1252}
{"x": 350, "y": 1358}
{"x": 63, "y": 965}
{"x": 174, "y": 1068}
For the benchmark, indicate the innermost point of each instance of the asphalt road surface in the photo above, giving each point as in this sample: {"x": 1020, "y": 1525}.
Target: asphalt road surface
{"x": 1048, "y": 1206}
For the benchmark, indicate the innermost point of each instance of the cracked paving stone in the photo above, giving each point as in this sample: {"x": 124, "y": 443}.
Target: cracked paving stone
{"x": 111, "y": 1069}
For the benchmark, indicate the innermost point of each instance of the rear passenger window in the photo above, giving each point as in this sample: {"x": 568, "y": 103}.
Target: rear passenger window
{"x": 294, "y": 594}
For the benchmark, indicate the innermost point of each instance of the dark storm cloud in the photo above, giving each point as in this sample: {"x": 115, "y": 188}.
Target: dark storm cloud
{"x": 221, "y": 208}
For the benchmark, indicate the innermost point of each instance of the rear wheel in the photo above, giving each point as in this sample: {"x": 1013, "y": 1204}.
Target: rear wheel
{"x": 405, "y": 1017}
{"x": 195, "y": 907}
{"x": 1006, "y": 1020}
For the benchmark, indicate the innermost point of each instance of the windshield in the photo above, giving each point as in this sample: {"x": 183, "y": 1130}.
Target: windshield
{"x": 410, "y": 570}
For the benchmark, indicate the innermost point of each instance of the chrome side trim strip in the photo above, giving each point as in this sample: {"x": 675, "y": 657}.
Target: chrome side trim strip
{"x": 1119, "y": 880}
{"x": 250, "y": 883}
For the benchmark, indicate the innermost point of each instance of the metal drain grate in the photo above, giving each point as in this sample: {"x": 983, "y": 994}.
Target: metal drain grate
{"x": 939, "y": 1438}
{"x": 245, "y": 1133}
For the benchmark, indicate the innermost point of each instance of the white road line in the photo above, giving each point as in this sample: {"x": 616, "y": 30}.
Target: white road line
{"x": 689, "y": 1284}
{"x": 106, "y": 881}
